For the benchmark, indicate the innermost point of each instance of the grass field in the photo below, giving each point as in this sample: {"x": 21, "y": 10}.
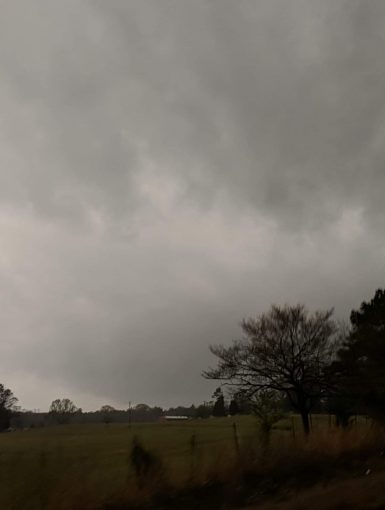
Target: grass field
{"x": 79, "y": 466}
{"x": 40, "y": 465}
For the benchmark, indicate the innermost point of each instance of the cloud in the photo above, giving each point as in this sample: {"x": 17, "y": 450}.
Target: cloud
{"x": 170, "y": 167}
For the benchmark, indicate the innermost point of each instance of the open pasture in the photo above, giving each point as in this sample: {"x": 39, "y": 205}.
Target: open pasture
{"x": 40, "y": 466}
{"x": 54, "y": 467}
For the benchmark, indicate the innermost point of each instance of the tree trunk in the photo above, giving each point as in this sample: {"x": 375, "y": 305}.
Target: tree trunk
{"x": 4, "y": 422}
{"x": 305, "y": 422}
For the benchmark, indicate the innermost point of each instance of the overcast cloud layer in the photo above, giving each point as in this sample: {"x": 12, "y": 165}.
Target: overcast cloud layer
{"x": 169, "y": 167}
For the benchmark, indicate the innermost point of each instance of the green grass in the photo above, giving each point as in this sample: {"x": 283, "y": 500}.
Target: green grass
{"x": 40, "y": 466}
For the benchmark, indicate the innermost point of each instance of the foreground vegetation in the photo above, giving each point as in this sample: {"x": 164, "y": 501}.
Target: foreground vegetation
{"x": 202, "y": 463}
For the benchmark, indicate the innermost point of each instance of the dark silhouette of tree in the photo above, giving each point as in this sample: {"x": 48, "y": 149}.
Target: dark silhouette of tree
{"x": 204, "y": 410}
{"x": 62, "y": 410}
{"x": 107, "y": 413}
{"x": 157, "y": 412}
{"x": 181, "y": 411}
{"x": 142, "y": 408}
{"x": 233, "y": 407}
{"x": 359, "y": 368}
{"x": 285, "y": 350}
{"x": 219, "y": 408}
{"x": 7, "y": 406}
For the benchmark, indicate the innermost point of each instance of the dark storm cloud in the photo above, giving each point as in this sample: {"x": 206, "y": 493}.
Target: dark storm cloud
{"x": 168, "y": 167}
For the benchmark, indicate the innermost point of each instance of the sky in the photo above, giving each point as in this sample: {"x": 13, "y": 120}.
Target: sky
{"x": 170, "y": 167}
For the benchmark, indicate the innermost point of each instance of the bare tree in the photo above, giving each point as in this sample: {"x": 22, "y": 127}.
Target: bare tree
{"x": 7, "y": 406}
{"x": 285, "y": 350}
{"x": 63, "y": 409}
{"x": 107, "y": 412}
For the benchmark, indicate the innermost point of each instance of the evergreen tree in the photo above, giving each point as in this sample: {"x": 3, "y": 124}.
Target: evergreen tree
{"x": 219, "y": 405}
{"x": 233, "y": 408}
{"x": 359, "y": 368}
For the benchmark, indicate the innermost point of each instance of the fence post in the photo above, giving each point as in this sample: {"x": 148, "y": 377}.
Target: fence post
{"x": 236, "y": 440}
{"x": 193, "y": 444}
{"x": 293, "y": 427}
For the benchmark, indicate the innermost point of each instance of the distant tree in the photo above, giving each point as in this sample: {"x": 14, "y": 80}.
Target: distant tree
{"x": 204, "y": 410}
{"x": 285, "y": 350}
{"x": 107, "y": 412}
{"x": 181, "y": 411}
{"x": 219, "y": 408}
{"x": 62, "y": 410}
{"x": 7, "y": 406}
{"x": 157, "y": 412}
{"x": 266, "y": 406}
{"x": 143, "y": 413}
{"x": 233, "y": 407}
{"x": 359, "y": 368}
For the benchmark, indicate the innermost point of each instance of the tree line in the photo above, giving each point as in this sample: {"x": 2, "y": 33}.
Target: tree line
{"x": 64, "y": 411}
{"x": 287, "y": 359}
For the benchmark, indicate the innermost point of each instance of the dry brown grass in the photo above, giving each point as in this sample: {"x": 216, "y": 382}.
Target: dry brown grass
{"x": 88, "y": 468}
{"x": 331, "y": 461}
{"x": 366, "y": 492}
